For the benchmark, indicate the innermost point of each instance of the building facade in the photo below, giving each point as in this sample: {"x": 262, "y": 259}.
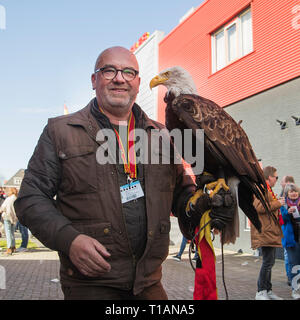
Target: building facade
{"x": 147, "y": 56}
{"x": 16, "y": 180}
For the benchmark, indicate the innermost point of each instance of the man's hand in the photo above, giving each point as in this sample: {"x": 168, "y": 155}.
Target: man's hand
{"x": 88, "y": 255}
{"x": 222, "y": 209}
{"x": 282, "y": 201}
{"x": 291, "y": 210}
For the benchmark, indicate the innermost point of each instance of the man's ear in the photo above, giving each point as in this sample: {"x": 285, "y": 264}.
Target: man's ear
{"x": 93, "y": 78}
{"x": 139, "y": 84}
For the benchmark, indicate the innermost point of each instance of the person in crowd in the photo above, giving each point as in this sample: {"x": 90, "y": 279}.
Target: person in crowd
{"x": 183, "y": 244}
{"x": 291, "y": 232}
{"x": 284, "y": 181}
{"x": 2, "y": 195}
{"x": 287, "y": 264}
{"x": 269, "y": 238}
{"x": 8, "y": 213}
{"x": 24, "y": 236}
{"x": 112, "y": 239}
{"x": 2, "y": 198}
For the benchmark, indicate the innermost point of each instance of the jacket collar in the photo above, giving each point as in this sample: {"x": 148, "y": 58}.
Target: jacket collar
{"x": 93, "y": 120}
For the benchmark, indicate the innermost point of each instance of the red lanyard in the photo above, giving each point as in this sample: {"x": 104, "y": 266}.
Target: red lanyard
{"x": 271, "y": 191}
{"x": 130, "y": 162}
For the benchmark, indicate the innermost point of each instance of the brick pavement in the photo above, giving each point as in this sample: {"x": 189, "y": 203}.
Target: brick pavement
{"x": 33, "y": 275}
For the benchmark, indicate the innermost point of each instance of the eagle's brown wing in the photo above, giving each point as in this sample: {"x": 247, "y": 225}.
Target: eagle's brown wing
{"x": 226, "y": 142}
{"x": 222, "y": 131}
{"x": 228, "y": 137}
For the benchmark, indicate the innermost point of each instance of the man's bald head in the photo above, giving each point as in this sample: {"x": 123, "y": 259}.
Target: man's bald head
{"x": 117, "y": 95}
{"x": 117, "y": 50}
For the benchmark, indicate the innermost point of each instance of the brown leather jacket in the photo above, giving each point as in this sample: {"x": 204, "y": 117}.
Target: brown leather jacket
{"x": 88, "y": 201}
{"x": 271, "y": 232}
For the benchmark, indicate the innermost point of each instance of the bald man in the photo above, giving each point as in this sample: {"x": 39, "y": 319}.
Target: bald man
{"x": 110, "y": 221}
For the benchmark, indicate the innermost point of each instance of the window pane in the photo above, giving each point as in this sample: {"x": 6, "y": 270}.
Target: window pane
{"x": 246, "y": 22}
{"x": 232, "y": 42}
{"x": 220, "y": 50}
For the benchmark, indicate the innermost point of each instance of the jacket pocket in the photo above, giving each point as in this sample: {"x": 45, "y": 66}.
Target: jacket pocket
{"x": 101, "y": 231}
{"x": 159, "y": 248}
{"x": 78, "y": 170}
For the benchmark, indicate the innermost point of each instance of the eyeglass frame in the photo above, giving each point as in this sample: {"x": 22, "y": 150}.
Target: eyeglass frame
{"x": 276, "y": 177}
{"x": 117, "y": 70}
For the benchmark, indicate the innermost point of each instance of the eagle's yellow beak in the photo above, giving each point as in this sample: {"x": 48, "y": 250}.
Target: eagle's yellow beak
{"x": 157, "y": 81}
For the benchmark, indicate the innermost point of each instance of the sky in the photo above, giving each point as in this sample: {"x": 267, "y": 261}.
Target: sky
{"x": 47, "y": 54}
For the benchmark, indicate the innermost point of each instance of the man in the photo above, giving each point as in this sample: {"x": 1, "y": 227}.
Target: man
{"x": 284, "y": 181}
{"x": 109, "y": 247}
{"x": 269, "y": 238}
{"x": 24, "y": 236}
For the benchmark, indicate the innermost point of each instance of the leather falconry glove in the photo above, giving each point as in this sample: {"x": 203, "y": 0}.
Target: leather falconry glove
{"x": 222, "y": 209}
{"x": 222, "y": 206}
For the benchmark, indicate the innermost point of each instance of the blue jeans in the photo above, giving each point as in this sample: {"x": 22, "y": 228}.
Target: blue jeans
{"x": 287, "y": 265}
{"x": 182, "y": 247}
{"x": 294, "y": 258}
{"x": 24, "y": 235}
{"x": 9, "y": 233}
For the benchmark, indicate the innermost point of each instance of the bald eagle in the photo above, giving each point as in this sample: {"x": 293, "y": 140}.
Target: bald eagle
{"x": 228, "y": 154}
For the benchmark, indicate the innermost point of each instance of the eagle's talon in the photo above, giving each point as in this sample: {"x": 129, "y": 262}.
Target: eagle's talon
{"x": 216, "y": 186}
{"x": 212, "y": 185}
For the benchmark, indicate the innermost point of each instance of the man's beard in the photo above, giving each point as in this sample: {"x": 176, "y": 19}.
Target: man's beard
{"x": 119, "y": 103}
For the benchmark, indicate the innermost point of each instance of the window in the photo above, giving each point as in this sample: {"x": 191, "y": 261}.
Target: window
{"x": 232, "y": 41}
{"x": 220, "y": 54}
{"x": 17, "y": 181}
{"x": 246, "y": 32}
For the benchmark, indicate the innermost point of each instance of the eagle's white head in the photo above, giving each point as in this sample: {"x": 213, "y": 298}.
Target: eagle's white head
{"x": 177, "y": 80}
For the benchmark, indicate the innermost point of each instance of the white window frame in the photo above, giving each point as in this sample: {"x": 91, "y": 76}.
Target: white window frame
{"x": 241, "y": 34}
{"x": 235, "y": 22}
{"x": 214, "y": 49}
{"x": 239, "y": 44}
{"x": 17, "y": 181}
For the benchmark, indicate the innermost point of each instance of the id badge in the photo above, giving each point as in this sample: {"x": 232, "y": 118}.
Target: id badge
{"x": 131, "y": 191}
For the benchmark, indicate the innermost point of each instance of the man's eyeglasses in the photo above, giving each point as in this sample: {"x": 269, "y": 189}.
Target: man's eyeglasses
{"x": 109, "y": 73}
{"x": 275, "y": 177}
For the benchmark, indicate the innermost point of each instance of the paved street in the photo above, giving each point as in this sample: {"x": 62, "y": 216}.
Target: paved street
{"x": 34, "y": 275}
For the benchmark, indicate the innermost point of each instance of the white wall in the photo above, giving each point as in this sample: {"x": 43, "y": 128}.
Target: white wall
{"x": 147, "y": 56}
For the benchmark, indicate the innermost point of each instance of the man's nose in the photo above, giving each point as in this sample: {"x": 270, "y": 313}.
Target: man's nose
{"x": 119, "y": 77}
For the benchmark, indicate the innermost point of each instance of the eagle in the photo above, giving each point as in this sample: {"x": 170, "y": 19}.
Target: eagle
{"x": 228, "y": 155}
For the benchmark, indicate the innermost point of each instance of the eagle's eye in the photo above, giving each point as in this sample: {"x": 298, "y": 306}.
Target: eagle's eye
{"x": 166, "y": 74}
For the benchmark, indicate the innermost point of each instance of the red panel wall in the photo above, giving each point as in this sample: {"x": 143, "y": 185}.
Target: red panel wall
{"x": 274, "y": 60}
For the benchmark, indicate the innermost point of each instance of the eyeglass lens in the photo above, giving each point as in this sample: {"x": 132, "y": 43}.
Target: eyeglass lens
{"x": 110, "y": 73}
